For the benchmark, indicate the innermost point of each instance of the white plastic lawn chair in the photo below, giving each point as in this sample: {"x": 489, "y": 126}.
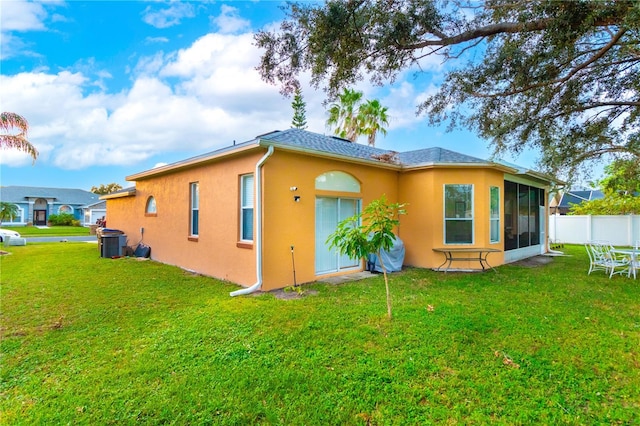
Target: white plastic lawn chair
{"x": 596, "y": 259}
{"x": 635, "y": 261}
{"x": 602, "y": 258}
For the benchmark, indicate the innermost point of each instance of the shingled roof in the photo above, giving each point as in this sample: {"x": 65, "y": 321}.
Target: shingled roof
{"x": 20, "y": 194}
{"x": 303, "y": 139}
{"x": 332, "y": 146}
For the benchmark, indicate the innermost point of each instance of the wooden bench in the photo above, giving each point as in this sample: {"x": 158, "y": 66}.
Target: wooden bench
{"x": 467, "y": 254}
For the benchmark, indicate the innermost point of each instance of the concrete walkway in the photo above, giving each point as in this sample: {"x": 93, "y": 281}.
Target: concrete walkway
{"x": 340, "y": 279}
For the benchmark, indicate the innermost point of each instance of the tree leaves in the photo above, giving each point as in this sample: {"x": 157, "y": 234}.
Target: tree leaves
{"x": 299, "y": 120}
{"x": 352, "y": 118}
{"x": 10, "y": 121}
{"x": 106, "y": 189}
{"x": 368, "y": 233}
{"x": 8, "y": 211}
{"x": 561, "y": 78}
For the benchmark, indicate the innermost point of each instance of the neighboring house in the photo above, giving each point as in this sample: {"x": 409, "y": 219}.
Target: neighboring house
{"x": 247, "y": 212}
{"x": 36, "y": 204}
{"x": 94, "y": 212}
{"x": 567, "y": 199}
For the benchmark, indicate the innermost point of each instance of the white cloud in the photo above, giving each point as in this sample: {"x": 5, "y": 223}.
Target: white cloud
{"x": 150, "y": 65}
{"x": 19, "y": 16}
{"x": 219, "y": 67}
{"x": 151, "y": 40}
{"x": 213, "y": 50}
{"x": 15, "y": 158}
{"x": 10, "y": 45}
{"x": 150, "y": 118}
{"x": 56, "y": 17}
{"x": 229, "y": 20}
{"x": 22, "y": 16}
{"x": 169, "y": 16}
{"x": 194, "y": 100}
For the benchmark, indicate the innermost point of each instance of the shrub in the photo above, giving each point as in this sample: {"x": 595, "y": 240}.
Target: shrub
{"x": 62, "y": 219}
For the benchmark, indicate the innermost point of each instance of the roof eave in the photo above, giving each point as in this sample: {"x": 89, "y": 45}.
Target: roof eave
{"x": 120, "y": 194}
{"x": 40, "y": 196}
{"x": 191, "y": 162}
{"x": 93, "y": 204}
{"x": 545, "y": 177}
{"x": 433, "y": 165}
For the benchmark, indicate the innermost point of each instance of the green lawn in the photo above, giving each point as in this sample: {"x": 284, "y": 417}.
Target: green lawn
{"x": 52, "y": 231}
{"x": 88, "y": 340}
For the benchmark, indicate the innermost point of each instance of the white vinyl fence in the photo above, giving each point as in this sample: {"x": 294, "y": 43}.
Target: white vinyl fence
{"x": 618, "y": 230}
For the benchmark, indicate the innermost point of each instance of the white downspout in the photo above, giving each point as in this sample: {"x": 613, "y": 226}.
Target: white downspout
{"x": 258, "y": 234}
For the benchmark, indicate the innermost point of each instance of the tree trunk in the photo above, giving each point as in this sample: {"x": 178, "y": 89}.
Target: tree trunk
{"x": 386, "y": 284}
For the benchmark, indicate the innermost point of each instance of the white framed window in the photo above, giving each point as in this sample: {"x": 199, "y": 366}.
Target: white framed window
{"x": 194, "y": 221}
{"x": 65, "y": 209}
{"x": 246, "y": 207}
{"x": 494, "y": 214}
{"x": 458, "y": 214}
{"x": 151, "y": 205}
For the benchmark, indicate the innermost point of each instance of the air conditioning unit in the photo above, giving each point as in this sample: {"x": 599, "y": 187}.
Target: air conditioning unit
{"x": 112, "y": 245}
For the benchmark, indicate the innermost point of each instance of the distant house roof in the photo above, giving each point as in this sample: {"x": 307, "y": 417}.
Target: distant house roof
{"x": 100, "y": 204}
{"x": 334, "y": 147}
{"x": 20, "y": 194}
{"x": 577, "y": 197}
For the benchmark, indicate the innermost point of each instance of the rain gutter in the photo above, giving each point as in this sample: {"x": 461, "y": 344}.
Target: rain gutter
{"x": 258, "y": 234}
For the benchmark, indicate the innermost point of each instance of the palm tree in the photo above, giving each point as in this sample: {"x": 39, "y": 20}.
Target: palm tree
{"x": 9, "y": 121}
{"x": 343, "y": 114}
{"x": 7, "y": 211}
{"x": 373, "y": 116}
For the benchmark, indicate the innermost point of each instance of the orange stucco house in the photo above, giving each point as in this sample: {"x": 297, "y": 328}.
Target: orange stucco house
{"x": 236, "y": 213}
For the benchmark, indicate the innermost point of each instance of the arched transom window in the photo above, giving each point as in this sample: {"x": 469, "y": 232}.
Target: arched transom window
{"x": 337, "y": 181}
{"x": 65, "y": 209}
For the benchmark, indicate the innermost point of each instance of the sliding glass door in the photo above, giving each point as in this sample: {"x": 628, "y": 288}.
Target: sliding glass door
{"x": 523, "y": 215}
{"x": 329, "y": 212}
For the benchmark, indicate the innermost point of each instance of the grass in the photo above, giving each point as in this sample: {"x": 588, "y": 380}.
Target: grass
{"x": 52, "y": 231}
{"x": 88, "y": 340}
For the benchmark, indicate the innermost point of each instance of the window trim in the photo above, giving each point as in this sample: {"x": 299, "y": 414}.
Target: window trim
{"x": 246, "y": 207}
{"x": 445, "y": 219}
{"x": 194, "y": 189}
{"x": 491, "y": 218}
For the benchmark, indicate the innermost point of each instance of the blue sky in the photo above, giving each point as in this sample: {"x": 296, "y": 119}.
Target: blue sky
{"x": 114, "y": 88}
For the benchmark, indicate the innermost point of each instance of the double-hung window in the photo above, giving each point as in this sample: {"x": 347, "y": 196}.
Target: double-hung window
{"x": 458, "y": 214}
{"x": 194, "y": 220}
{"x": 494, "y": 214}
{"x": 246, "y": 207}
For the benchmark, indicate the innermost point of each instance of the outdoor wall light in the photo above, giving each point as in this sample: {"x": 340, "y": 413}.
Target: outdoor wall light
{"x": 296, "y": 198}
{"x": 293, "y": 188}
